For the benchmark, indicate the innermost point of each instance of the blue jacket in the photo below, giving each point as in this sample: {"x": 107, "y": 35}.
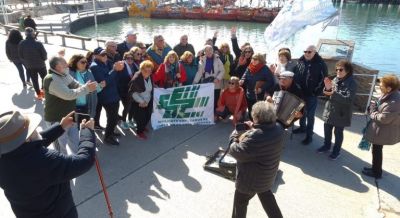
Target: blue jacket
{"x": 36, "y": 180}
{"x": 250, "y": 81}
{"x": 123, "y": 79}
{"x": 102, "y": 72}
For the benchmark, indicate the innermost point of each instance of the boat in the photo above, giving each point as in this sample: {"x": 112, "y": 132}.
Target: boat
{"x": 193, "y": 13}
{"x": 220, "y": 14}
{"x": 245, "y": 14}
{"x": 159, "y": 12}
{"x": 263, "y": 15}
{"x": 176, "y": 13}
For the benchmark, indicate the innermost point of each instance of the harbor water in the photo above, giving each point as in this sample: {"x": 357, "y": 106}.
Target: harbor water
{"x": 374, "y": 28}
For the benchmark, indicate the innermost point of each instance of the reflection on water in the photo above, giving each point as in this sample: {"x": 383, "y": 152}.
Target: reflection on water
{"x": 374, "y": 28}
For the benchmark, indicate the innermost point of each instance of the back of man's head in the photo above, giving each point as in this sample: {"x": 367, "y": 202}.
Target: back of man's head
{"x": 263, "y": 112}
{"x": 29, "y": 31}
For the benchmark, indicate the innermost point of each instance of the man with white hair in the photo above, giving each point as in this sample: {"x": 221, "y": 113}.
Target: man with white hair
{"x": 258, "y": 152}
{"x": 129, "y": 42}
{"x": 184, "y": 46}
{"x": 112, "y": 54}
{"x": 310, "y": 73}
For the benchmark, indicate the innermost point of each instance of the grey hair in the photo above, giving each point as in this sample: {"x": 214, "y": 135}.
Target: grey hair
{"x": 312, "y": 47}
{"x": 263, "y": 112}
{"x": 54, "y": 61}
{"x": 109, "y": 42}
{"x": 208, "y": 46}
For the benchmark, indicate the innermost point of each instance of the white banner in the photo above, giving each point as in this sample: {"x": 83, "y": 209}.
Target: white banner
{"x": 183, "y": 105}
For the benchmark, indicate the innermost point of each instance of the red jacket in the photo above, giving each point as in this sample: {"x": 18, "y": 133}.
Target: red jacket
{"x": 160, "y": 78}
{"x": 231, "y": 99}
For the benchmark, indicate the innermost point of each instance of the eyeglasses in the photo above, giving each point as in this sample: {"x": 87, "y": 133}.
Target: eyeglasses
{"x": 339, "y": 69}
{"x": 247, "y": 52}
{"x": 308, "y": 52}
{"x": 129, "y": 58}
{"x": 138, "y": 54}
{"x": 231, "y": 83}
{"x": 103, "y": 54}
{"x": 83, "y": 62}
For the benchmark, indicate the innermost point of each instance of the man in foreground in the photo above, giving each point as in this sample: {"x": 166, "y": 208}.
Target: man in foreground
{"x": 258, "y": 152}
{"x": 35, "y": 179}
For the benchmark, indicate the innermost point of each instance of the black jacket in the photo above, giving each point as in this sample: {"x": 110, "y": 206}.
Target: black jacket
{"x": 258, "y": 155}
{"x": 36, "y": 180}
{"x": 310, "y": 75}
{"x": 12, "y": 52}
{"x": 238, "y": 70}
{"x": 29, "y": 22}
{"x": 180, "y": 49}
{"x": 32, "y": 53}
{"x": 122, "y": 48}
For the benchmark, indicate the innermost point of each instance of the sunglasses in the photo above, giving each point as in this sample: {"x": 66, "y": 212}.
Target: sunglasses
{"x": 138, "y": 54}
{"x": 231, "y": 83}
{"x": 83, "y": 62}
{"x": 339, "y": 69}
{"x": 129, "y": 58}
{"x": 308, "y": 52}
{"x": 103, "y": 54}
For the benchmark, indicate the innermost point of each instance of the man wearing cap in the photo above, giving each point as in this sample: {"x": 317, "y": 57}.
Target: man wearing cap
{"x": 183, "y": 46}
{"x": 61, "y": 91}
{"x": 130, "y": 41}
{"x": 108, "y": 97}
{"x": 310, "y": 73}
{"x": 33, "y": 56}
{"x": 35, "y": 179}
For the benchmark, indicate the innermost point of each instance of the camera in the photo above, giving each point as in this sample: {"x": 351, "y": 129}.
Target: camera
{"x": 241, "y": 127}
{"x": 78, "y": 117}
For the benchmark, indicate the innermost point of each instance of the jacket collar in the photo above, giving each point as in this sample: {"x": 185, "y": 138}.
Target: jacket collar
{"x": 264, "y": 125}
{"x": 52, "y": 71}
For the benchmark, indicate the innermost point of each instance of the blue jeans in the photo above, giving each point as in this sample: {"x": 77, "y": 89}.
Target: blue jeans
{"x": 20, "y": 68}
{"x": 338, "y": 137}
{"x": 310, "y": 108}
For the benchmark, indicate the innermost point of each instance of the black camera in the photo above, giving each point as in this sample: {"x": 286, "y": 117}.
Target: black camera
{"x": 241, "y": 127}
{"x": 78, "y": 117}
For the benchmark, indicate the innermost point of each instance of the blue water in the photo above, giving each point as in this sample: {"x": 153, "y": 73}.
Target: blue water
{"x": 374, "y": 28}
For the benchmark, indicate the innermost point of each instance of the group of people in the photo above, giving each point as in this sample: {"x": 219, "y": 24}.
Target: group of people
{"x": 126, "y": 73}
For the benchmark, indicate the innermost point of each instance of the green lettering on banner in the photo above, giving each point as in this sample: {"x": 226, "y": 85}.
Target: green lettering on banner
{"x": 181, "y": 99}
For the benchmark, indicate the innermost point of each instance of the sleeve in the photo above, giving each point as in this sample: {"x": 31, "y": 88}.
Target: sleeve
{"x": 97, "y": 74}
{"x": 64, "y": 168}
{"x": 323, "y": 74}
{"x": 347, "y": 96}
{"x": 20, "y": 51}
{"x": 159, "y": 75}
{"x": 245, "y": 75}
{"x": 235, "y": 47}
{"x": 199, "y": 73}
{"x": 136, "y": 97}
{"x": 242, "y": 151}
{"x": 62, "y": 91}
{"x": 183, "y": 73}
{"x": 43, "y": 52}
{"x": 214, "y": 39}
{"x": 388, "y": 114}
{"x": 8, "y": 52}
{"x": 269, "y": 83}
{"x": 221, "y": 69}
{"x": 51, "y": 134}
{"x": 221, "y": 101}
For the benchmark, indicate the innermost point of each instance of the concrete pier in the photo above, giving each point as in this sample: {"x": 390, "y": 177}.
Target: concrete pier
{"x": 164, "y": 177}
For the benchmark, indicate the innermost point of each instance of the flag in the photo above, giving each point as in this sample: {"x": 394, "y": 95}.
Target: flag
{"x": 295, "y": 15}
{"x": 183, "y": 105}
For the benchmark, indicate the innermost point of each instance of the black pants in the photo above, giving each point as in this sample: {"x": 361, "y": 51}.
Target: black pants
{"x": 241, "y": 200}
{"x": 141, "y": 115}
{"x": 112, "y": 118}
{"x": 126, "y": 102}
{"x": 217, "y": 93}
{"x": 377, "y": 159}
{"x": 33, "y": 73}
{"x": 21, "y": 72}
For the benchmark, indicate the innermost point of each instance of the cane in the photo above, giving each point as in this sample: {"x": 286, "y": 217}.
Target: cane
{"x": 110, "y": 211}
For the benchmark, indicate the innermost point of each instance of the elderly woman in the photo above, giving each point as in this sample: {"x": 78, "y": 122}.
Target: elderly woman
{"x": 191, "y": 66}
{"x": 211, "y": 70}
{"x": 258, "y": 81}
{"x": 384, "y": 128}
{"x": 258, "y": 152}
{"x": 142, "y": 90}
{"x": 157, "y": 51}
{"x": 123, "y": 79}
{"x": 170, "y": 73}
{"x": 338, "y": 109}
{"x": 285, "y": 62}
{"x": 78, "y": 70}
{"x": 232, "y": 101}
{"x": 227, "y": 61}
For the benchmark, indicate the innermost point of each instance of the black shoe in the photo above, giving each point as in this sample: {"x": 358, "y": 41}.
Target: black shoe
{"x": 299, "y": 130}
{"x": 334, "y": 156}
{"x": 111, "y": 140}
{"x": 98, "y": 127}
{"x": 367, "y": 168}
{"x": 307, "y": 140}
{"x": 371, "y": 173}
{"x": 323, "y": 149}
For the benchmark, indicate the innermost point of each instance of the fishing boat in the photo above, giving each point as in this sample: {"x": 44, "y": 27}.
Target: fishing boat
{"x": 193, "y": 13}
{"x": 176, "y": 13}
{"x": 159, "y": 12}
{"x": 245, "y": 14}
{"x": 220, "y": 13}
{"x": 263, "y": 15}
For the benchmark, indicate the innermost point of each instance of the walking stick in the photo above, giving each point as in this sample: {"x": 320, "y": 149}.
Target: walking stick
{"x": 110, "y": 211}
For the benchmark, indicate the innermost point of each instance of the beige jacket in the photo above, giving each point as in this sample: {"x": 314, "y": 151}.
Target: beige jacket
{"x": 219, "y": 71}
{"x": 384, "y": 128}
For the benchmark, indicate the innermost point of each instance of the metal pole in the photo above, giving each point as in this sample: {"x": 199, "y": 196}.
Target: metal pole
{"x": 95, "y": 21}
{"x": 340, "y": 17}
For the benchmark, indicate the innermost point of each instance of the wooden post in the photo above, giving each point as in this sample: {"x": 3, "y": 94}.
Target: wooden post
{"x": 63, "y": 40}
{"x": 83, "y": 44}
{"x": 45, "y": 38}
{"x": 51, "y": 27}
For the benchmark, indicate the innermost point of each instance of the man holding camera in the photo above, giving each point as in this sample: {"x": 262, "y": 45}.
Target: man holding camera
{"x": 61, "y": 92}
{"x": 35, "y": 179}
{"x": 258, "y": 152}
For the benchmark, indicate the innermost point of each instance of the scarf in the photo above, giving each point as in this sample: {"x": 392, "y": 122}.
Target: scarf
{"x": 242, "y": 61}
{"x": 255, "y": 68}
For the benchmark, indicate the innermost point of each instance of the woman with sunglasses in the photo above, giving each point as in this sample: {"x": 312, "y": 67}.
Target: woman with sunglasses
{"x": 123, "y": 79}
{"x": 232, "y": 102}
{"x": 78, "y": 70}
{"x": 243, "y": 55}
{"x": 341, "y": 92}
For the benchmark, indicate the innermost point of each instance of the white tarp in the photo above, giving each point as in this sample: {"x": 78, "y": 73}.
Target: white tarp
{"x": 184, "y": 105}
{"x": 295, "y": 15}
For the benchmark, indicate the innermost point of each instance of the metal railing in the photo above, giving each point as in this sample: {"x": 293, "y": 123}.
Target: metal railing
{"x": 371, "y": 91}
{"x": 89, "y": 13}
